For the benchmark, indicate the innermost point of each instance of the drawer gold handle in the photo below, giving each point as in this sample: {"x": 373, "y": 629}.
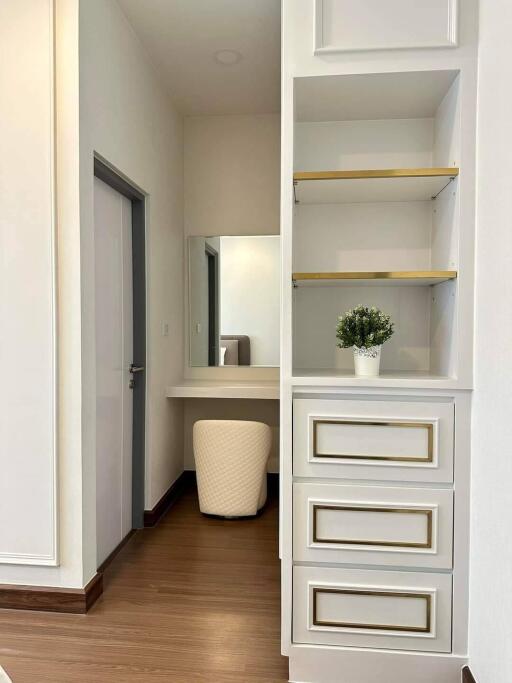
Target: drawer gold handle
{"x": 361, "y": 508}
{"x": 377, "y": 627}
{"x": 374, "y": 423}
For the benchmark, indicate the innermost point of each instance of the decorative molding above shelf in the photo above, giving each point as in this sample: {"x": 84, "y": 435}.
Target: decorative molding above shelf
{"x": 387, "y": 278}
{"x": 378, "y": 185}
{"x": 343, "y": 26}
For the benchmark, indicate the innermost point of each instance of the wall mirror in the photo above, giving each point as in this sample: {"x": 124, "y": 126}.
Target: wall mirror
{"x": 234, "y": 301}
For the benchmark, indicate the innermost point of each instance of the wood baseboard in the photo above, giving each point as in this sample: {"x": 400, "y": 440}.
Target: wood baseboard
{"x": 467, "y": 676}
{"x": 116, "y": 551}
{"x": 273, "y": 482}
{"x": 47, "y": 599}
{"x": 175, "y": 491}
{"x": 185, "y": 481}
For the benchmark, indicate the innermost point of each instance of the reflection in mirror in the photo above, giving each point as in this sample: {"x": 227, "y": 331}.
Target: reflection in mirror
{"x": 234, "y": 301}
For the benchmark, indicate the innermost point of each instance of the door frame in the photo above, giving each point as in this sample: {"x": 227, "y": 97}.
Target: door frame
{"x": 213, "y": 297}
{"x": 104, "y": 172}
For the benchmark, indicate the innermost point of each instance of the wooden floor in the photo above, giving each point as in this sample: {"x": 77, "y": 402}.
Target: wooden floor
{"x": 192, "y": 600}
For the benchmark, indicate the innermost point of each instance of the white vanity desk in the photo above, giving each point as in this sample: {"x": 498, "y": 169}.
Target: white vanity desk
{"x": 200, "y": 388}
{"x": 232, "y": 326}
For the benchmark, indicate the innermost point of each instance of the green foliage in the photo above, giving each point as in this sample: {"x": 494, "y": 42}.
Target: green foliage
{"x": 363, "y": 327}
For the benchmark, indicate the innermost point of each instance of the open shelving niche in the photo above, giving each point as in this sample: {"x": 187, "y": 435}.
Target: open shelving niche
{"x": 383, "y": 228}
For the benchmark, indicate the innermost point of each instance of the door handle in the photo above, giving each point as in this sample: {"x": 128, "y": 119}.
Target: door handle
{"x": 133, "y": 370}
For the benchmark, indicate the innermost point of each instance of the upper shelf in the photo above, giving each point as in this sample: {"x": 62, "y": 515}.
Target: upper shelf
{"x": 404, "y": 278}
{"x": 381, "y": 185}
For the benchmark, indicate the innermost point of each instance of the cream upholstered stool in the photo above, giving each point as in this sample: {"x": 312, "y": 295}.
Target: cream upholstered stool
{"x": 231, "y": 466}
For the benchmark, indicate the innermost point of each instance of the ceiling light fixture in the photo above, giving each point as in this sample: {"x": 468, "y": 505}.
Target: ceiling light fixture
{"x": 227, "y": 57}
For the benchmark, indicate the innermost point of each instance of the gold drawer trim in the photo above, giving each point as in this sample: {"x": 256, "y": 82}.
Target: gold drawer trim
{"x": 361, "y": 508}
{"x": 429, "y": 426}
{"x": 376, "y": 627}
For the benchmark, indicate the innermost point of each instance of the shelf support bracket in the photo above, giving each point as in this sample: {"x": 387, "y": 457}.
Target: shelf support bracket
{"x": 444, "y": 188}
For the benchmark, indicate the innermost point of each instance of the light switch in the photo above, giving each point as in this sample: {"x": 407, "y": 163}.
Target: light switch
{"x": 198, "y": 328}
{"x": 165, "y": 329}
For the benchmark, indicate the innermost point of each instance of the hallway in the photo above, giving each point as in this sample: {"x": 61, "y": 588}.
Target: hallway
{"x": 194, "y": 600}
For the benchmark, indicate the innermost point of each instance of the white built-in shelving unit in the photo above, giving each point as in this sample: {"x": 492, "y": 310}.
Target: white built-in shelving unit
{"x": 363, "y": 230}
{"x": 377, "y": 209}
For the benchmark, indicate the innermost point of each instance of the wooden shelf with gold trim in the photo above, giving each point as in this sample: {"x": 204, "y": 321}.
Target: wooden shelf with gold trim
{"x": 377, "y": 185}
{"x": 374, "y": 278}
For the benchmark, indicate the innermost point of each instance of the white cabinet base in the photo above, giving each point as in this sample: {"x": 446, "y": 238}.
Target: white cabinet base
{"x": 348, "y": 665}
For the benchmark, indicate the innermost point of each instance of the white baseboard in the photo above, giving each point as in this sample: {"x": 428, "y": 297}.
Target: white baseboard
{"x": 318, "y": 664}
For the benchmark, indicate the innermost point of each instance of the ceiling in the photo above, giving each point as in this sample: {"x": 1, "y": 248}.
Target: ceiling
{"x": 182, "y": 37}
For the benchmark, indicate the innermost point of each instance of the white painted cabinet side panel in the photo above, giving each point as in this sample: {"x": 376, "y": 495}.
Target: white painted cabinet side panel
{"x": 28, "y": 504}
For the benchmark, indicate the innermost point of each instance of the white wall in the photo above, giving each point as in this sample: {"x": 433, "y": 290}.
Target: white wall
{"x": 128, "y": 118}
{"x": 232, "y": 175}
{"x": 232, "y": 409}
{"x": 27, "y": 287}
{"x": 249, "y": 293}
{"x": 232, "y": 171}
{"x": 231, "y": 188}
{"x": 491, "y": 547}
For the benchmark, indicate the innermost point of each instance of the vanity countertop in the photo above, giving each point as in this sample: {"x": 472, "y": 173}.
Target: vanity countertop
{"x": 200, "y": 388}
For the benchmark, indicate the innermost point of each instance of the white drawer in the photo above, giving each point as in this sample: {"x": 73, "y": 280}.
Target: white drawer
{"x": 384, "y": 440}
{"x": 378, "y": 609}
{"x": 410, "y": 527}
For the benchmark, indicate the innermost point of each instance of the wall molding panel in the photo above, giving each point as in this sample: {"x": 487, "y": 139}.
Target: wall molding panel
{"x": 356, "y": 25}
{"x": 28, "y": 290}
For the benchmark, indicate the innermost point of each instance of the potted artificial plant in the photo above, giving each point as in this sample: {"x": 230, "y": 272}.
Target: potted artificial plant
{"x": 365, "y": 330}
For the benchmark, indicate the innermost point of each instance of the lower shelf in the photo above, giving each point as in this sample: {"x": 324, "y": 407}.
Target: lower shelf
{"x": 330, "y": 377}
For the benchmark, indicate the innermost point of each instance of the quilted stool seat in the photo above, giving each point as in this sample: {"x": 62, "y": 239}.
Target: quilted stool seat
{"x": 231, "y": 466}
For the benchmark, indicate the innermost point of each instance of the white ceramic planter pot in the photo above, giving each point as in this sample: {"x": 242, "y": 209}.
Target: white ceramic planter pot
{"x": 367, "y": 361}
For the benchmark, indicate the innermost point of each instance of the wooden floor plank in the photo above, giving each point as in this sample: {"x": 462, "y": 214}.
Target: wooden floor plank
{"x": 193, "y": 600}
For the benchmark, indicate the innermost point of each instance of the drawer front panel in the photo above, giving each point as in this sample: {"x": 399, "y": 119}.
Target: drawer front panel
{"x": 394, "y": 441}
{"x": 365, "y": 608}
{"x": 351, "y": 608}
{"x": 387, "y": 440}
{"x": 373, "y": 525}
